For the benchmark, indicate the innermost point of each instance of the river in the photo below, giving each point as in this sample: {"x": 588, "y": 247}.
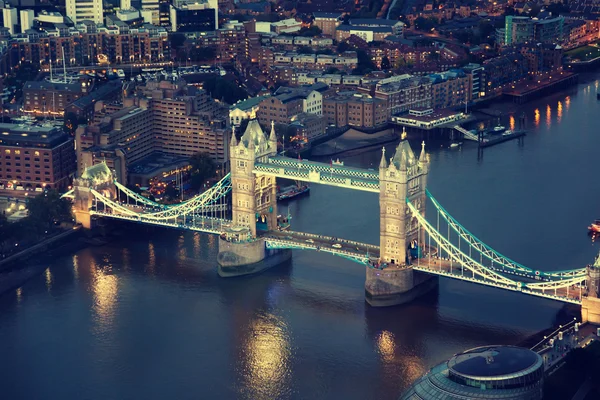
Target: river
{"x": 147, "y": 317}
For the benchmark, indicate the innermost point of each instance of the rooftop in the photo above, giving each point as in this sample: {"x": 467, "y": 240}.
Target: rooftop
{"x": 493, "y": 361}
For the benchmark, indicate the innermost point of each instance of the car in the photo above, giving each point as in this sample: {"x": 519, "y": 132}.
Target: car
{"x": 310, "y": 241}
{"x": 337, "y": 246}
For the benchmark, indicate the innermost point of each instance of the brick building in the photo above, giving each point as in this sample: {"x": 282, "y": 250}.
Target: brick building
{"x": 34, "y": 156}
{"x": 356, "y": 110}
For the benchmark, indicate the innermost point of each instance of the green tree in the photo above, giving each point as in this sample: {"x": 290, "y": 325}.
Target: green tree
{"x": 343, "y": 46}
{"x": 203, "y": 53}
{"x": 177, "y": 40}
{"x": 48, "y": 208}
{"x": 202, "y": 168}
{"x": 424, "y": 24}
{"x": 385, "y": 63}
{"x": 310, "y": 32}
{"x": 304, "y": 50}
{"x": 365, "y": 64}
{"x": 225, "y": 90}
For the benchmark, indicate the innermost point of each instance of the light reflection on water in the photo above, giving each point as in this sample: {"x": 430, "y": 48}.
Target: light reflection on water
{"x": 266, "y": 358}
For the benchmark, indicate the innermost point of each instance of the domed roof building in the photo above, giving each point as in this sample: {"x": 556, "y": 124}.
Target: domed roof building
{"x": 490, "y": 372}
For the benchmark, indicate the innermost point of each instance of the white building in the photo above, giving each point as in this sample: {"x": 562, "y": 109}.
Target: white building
{"x": 245, "y": 109}
{"x": 313, "y": 103}
{"x": 79, "y": 10}
{"x": 10, "y": 19}
{"x": 27, "y": 17}
{"x": 125, "y": 4}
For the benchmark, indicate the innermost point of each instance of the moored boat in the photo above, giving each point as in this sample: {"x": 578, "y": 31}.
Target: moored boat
{"x": 595, "y": 226}
{"x": 292, "y": 191}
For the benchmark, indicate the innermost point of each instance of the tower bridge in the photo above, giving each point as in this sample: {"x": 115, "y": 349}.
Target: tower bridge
{"x": 412, "y": 251}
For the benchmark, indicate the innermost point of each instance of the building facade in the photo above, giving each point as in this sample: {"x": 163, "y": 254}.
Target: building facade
{"x": 35, "y": 157}
{"x": 79, "y": 10}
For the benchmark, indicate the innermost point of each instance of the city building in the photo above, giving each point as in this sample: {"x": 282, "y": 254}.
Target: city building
{"x": 194, "y": 16}
{"x": 79, "y": 10}
{"x": 450, "y": 89}
{"x": 35, "y": 156}
{"x": 245, "y": 109}
{"x": 327, "y": 22}
{"x": 125, "y": 135}
{"x": 186, "y": 120}
{"x": 477, "y": 84}
{"x": 369, "y": 29}
{"x": 154, "y": 129}
{"x": 492, "y": 372}
{"x": 288, "y": 102}
{"x": 519, "y": 29}
{"x": 26, "y": 17}
{"x": 10, "y": 18}
{"x": 356, "y": 110}
{"x": 542, "y": 57}
{"x": 308, "y": 127}
{"x": 286, "y": 26}
{"x": 48, "y": 97}
{"x": 401, "y": 93}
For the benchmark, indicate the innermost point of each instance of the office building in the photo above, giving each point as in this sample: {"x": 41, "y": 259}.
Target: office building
{"x": 327, "y": 22}
{"x": 518, "y": 30}
{"x": 10, "y": 18}
{"x": 80, "y": 10}
{"x": 26, "y": 19}
{"x": 35, "y": 157}
{"x": 492, "y": 372}
{"x": 194, "y": 16}
{"x": 356, "y": 110}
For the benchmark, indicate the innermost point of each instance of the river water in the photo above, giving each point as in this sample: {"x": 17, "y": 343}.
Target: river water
{"x": 147, "y": 317}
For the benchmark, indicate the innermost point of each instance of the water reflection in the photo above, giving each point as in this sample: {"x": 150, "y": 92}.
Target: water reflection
{"x": 76, "y": 267}
{"x": 567, "y": 102}
{"x": 548, "y": 116}
{"x": 267, "y": 358}
{"x": 151, "y": 258}
{"x": 48, "y": 279}
{"x": 19, "y": 293}
{"x": 559, "y": 111}
{"x": 386, "y": 346}
{"x": 536, "y": 118}
{"x": 512, "y": 123}
{"x": 104, "y": 287}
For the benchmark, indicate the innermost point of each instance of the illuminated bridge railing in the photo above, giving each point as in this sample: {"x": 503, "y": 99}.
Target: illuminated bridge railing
{"x": 341, "y": 170}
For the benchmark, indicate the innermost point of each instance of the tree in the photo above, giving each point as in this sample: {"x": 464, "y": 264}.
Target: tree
{"x": 304, "y": 50}
{"x": 203, "y": 53}
{"x": 343, "y": 46}
{"x": 48, "y": 208}
{"x": 365, "y": 64}
{"x": 310, "y": 32}
{"x": 225, "y": 90}
{"x": 284, "y": 133}
{"x": 177, "y": 40}
{"x": 202, "y": 168}
{"x": 385, "y": 63}
{"x": 72, "y": 122}
{"x": 424, "y": 24}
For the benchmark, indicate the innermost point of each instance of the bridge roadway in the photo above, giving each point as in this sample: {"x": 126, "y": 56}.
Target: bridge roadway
{"x": 444, "y": 267}
{"x": 356, "y": 251}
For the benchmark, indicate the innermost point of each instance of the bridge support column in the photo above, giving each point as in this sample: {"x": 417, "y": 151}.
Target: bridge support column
{"x": 240, "y": 254}
{"x": 396, "y": 285}
{"x": 590, "y": 310}
{"x": 590, "y": 305}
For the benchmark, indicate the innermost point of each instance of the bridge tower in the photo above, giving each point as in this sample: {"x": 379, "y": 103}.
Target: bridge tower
{"x": 590, "y": 305}
{"x": 254, "y": 196}
{"x": 98, "y": 177}
{"x": 404, "y": 177}
{"x": 254, "y": 206}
